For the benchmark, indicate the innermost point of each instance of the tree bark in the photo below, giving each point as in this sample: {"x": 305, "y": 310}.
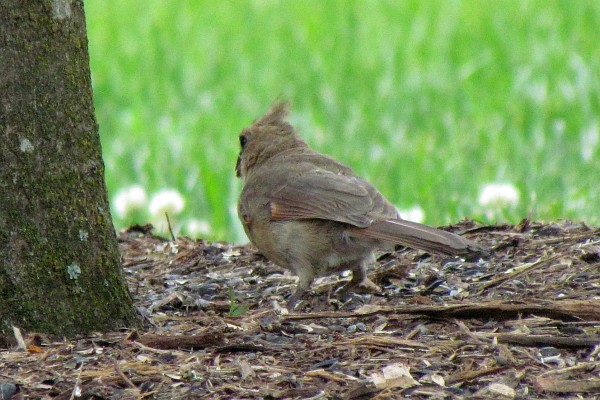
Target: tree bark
{"x": 60, "y": 268}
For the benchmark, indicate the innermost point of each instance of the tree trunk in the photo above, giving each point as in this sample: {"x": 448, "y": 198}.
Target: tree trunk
{"x": 60, "y": 268}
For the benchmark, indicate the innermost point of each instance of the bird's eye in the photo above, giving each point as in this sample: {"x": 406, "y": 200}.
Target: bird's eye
{"x": 243, "y": 140}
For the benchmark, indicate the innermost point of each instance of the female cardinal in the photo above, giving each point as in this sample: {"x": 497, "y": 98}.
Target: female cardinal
{"x": 312, "y": 215}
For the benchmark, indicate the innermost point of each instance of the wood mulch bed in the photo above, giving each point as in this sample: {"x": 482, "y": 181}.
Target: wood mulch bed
{"x": 523, "y": 323}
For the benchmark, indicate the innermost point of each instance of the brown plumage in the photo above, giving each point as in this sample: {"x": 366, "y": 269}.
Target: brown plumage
{"x": 312, "y": 215}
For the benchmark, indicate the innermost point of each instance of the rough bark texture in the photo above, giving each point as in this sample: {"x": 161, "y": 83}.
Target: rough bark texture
{"x": 60, "y": 268}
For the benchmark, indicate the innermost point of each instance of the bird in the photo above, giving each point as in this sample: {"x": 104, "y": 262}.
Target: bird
{"x": 313, "y": 216}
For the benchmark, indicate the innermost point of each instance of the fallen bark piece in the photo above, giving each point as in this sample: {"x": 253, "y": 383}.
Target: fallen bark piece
{"x": 558, "y": 380}
{"x": 463, "y": 376}
{"x": 557, "y": 385}
{"x": 187, "y": 342}
{"x": 543, "y": 340}
{"x": 564, "y": 310}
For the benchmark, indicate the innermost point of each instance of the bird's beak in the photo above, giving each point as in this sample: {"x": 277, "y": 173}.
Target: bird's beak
{"x": 238, "y": 167}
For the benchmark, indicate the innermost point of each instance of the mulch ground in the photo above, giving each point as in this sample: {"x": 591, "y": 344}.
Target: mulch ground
{"x": 523, "y": 323}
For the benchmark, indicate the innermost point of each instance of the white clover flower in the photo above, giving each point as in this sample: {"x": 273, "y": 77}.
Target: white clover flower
{"x": 166, "y": 200}
{"x": 413, "y": 214}
{"x": 498, "y": 195}
{"x": 129, "y": 200}
{"x": 198, "y": 227}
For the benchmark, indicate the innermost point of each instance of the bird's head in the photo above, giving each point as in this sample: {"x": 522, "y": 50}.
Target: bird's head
{"x": 266, "y": 137}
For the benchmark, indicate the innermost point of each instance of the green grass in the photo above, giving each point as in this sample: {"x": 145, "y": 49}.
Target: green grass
{"x": 428, "y": 100}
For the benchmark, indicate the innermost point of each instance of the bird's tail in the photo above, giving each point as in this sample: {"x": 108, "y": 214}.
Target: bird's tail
{"x": 419, "y": 236}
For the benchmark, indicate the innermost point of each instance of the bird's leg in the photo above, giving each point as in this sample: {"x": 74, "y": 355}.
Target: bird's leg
{"x": 306, "y": 276}
{"x": 359, "y": 282}
{"x": 291, "y": 303}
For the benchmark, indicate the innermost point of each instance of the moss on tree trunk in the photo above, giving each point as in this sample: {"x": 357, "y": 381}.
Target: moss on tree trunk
{"x": 60, "y": 269}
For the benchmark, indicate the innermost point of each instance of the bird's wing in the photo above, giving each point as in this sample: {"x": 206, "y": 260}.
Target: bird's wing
{"x": 331, "y": 196}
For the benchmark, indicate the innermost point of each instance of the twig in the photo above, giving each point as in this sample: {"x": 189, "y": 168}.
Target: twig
{"x": 571, "y": 371}
{"x": 169, "y": 225}
{"x": 463, "y": 328}
{"x": 76, "y": 392}
{"x": 151, "y": 349}
{"x": 570, "y": 238}
{"x": 543, "y": 340}
{"x": 123, "y": 377}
